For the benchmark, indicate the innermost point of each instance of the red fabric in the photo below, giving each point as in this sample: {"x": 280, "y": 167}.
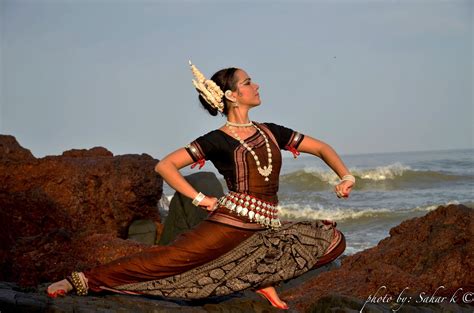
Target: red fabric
{"x": 201, "y": 163}
{"x": 295, "y": 152}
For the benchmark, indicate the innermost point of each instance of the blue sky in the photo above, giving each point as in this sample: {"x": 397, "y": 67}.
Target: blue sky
{"x": 364, "y": 76}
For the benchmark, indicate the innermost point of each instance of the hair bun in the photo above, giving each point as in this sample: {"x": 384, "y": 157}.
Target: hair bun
{"x": 207, "y": 106}
{"x": 226, "y": 80}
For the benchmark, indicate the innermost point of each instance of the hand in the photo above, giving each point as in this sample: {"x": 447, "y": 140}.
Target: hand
{"x": 208, "y": 203}
{"x": 343, "y": 189}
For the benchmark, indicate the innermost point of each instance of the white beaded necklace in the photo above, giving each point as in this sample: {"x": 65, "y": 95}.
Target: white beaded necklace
{"x": 229, "y": 123}
{"x": 266, "y": 170}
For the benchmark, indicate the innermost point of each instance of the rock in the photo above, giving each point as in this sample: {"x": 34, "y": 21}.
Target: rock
{"x": 422, "y": 254}
{"x": 183, "y": 215}
{"x": 143, "y": 231}
{"x": 16, "y": 299}
{"x": 10, "y": 150}
{"x": 50, "y": 209}
{"x": 94, "y": 152}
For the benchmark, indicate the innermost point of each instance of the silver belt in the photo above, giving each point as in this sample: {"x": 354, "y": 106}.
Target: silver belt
{"x": 259, "y": 211}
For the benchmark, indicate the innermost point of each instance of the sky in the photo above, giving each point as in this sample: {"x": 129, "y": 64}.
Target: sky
{"x": 363, "y": 76}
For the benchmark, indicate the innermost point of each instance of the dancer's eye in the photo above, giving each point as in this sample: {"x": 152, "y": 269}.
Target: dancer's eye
{"x": 247, "y": 81}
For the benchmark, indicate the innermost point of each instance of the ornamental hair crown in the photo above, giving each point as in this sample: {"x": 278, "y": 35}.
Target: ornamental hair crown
{"x": 208, "y": 89}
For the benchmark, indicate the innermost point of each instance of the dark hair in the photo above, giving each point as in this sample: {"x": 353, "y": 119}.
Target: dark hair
{"x": 225, "y": 79}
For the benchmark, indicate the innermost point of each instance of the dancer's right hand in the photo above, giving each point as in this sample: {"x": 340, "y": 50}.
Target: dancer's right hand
{"x": 343, "y": 189}
{"x": 209, "y": 203}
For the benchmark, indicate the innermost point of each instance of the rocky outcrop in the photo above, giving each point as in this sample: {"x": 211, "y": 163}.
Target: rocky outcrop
{"x": 11, "y": 151}
{"x": 421, "y": 254}
{"x": 72, "y": 211}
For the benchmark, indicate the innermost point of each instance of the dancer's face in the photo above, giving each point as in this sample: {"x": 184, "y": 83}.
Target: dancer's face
{"x": 247, "y": 90}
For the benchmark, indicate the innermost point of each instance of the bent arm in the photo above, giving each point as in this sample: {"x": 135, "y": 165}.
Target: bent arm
{"x": 325, "y": 152}
{"x": 169, "y": 168}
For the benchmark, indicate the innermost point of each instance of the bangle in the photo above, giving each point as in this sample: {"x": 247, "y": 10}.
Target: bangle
{"x": 200, "y": 196}
{"x": 349, "y": 178}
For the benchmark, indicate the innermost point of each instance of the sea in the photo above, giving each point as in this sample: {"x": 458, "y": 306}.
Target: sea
{"x": 390, "y": 188}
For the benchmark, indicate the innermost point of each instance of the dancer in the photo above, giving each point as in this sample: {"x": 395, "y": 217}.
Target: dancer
{"x": 242, "y": 244}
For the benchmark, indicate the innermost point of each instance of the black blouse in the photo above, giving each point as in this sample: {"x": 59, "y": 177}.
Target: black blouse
{"x": 237, "y": 165}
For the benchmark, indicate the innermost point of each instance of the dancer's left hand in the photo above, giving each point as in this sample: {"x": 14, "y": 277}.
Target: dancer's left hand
{"x": 343, "y": 189}
{"x": 209, "y": 203}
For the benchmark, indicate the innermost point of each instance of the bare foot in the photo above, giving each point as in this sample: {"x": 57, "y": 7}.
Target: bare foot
{"x": 62, "y": 287}
{"x": 59, "y": 288}
{"x": 271, "y": 295}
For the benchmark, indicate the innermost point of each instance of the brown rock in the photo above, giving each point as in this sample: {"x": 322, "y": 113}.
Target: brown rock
{"x": 10, "y": 150}
{"x": 422, "y": 254}
{"x": 94, "y": 152}
{"x": 51, "y": 208}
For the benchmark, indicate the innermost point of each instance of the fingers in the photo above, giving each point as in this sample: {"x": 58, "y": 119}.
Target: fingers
{"x": 345, "y": 190}
{"x": 211, "y": 208}
{"x": 342, "y": 191}
{"x": 338, "y": 191}
{"x": 209, "y": 204}
{"x": 339, "y": 194}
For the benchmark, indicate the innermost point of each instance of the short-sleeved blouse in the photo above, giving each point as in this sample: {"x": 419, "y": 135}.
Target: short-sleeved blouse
{"x": 237, "y": 164}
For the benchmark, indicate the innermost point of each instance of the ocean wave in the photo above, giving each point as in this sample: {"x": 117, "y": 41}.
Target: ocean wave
{"x": 392, "y": 176}
{"x": 306, "y": 212}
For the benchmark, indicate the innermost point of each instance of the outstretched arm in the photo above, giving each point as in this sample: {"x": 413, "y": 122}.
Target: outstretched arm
{"x": 331, "y": 158}
{"x": 169, "y": 168}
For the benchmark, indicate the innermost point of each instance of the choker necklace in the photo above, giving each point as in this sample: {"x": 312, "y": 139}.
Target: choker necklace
{"x": 266, "y": 170}
{"x": 229, "y": 123}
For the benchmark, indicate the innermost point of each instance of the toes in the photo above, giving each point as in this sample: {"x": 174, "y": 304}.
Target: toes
{"x": 57, "y": 289}
{"x": 56, "y": 293}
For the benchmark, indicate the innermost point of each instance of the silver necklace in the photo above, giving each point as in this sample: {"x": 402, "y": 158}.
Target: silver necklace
{"x": 229, "y": 123}
{"x": 266, "y": 170}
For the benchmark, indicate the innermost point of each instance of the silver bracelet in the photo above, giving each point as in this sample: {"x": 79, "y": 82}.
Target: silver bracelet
{"x": 200, "y": 196}
{"x": 349, "y": 178}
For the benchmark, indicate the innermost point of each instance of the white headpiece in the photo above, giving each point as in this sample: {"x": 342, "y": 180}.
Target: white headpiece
{"x": 208, "y": 89}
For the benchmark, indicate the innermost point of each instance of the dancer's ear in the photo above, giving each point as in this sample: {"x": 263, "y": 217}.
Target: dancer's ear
{"x": 229, "y": 96}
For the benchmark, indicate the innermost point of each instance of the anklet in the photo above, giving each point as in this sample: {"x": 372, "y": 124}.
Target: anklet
{"x": 78, "y": 284}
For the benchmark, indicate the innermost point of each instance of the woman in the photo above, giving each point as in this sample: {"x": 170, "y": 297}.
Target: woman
{"x": 242, "y": 244}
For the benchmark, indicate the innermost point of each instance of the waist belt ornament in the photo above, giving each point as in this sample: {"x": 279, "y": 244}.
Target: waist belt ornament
{"x": 257, "y": 210}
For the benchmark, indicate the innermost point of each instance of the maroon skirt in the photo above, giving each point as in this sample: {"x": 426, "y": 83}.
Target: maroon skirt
{"x": 204, "y": 243}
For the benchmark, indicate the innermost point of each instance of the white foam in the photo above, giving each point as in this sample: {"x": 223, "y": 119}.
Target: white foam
{"x": 301, "y": 212}
{"x": 296, "y": 211}
{"x": 164, "y": 202}
{"x": 435, "y": 206}
{"x": 376, "y": 174}
{"x": 383, "y": 172}
{"x": 324, "y": 175}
